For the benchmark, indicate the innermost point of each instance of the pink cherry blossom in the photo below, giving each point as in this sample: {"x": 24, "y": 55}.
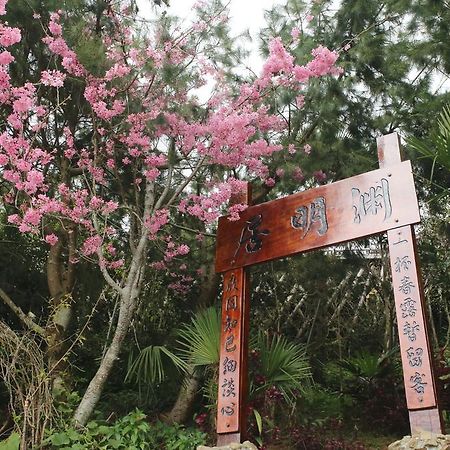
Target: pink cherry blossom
{"x": 9, "y": 36}
{"x": 300, "y": 101}
{"x": 234, "y": 211}
{"x": 279, "y": 59}
{"x": 116, "y": 264}
{"x": 6, "y": 58}
{"x": 53, "y": 78}
{"x": 320, "y": 176}
{"x": 183, "y": 249}
{"x": 297, "y": 174}
{"x": 51, "y": 239}
{"x": 91, "y": 245}
{"x": 157, "y": 221}
{"x": 143, "y": 140}
{"x": 295, "y": 33}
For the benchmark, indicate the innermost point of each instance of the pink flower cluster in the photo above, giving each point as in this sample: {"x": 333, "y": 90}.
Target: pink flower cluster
{"x": 159, "y": 142}
{"x": 91, "y": 245}
{"x": 97, "y": 94}
{"x": 9, "y": 36}
{"x": 173, "y": 250}
{"x": 51, "y": 239}
{"x": 58, "y": 46}
{"x": 208, "y": 208}
{"x": 280, "y": 62}
{"x": 155, "y": 222}
{"x": 53, "y": 78}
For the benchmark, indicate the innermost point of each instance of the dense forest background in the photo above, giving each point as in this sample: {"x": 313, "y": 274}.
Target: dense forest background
{"x": 325, "y": 370}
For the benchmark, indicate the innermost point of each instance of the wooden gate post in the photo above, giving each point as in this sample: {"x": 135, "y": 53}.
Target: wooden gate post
{"x": 233, "y": 363}
{"x": 417, "y": 361}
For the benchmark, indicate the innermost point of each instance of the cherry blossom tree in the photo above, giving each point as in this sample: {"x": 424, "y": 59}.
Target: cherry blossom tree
{"x": 109, "y": 181}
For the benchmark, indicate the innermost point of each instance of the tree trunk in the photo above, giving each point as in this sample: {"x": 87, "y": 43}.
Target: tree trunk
{"x": 186, "y": 396}
{"x": 95, "y": 388}
{"x": 129, "y": 295}
{"x": 189, "y": 388}
{"x": 60, "y": 280}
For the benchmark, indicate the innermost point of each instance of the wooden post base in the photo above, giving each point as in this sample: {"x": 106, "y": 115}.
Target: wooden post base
{"x": 426, "y": 420}
{"x": 228, "y": 438}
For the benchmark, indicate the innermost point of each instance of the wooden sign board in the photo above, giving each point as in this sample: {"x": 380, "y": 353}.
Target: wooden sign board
{"x": 349, "y": 209}
{"x": 232, "y": 367}
{"x": 371, "y": 203}
{"x": 411, "y": 323}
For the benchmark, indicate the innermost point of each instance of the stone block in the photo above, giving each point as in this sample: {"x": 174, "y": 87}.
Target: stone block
{"x": 422, "y": 441}
{"x": 245, "y": 446}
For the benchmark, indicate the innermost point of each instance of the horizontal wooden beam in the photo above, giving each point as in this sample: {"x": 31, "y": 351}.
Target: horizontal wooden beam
{"x": 353, "y": 208}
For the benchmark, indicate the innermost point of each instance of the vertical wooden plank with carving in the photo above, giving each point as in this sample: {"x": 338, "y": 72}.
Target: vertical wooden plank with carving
{"x": 233, "y": 384}
{"x": 419, "y": 380}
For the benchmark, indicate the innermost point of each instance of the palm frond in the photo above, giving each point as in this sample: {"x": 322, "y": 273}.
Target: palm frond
{"x": 199, "y": 341}
{"x": 149, "y": 367}
{"x": 437, "y": 146}
{"x": 283, "y": 364}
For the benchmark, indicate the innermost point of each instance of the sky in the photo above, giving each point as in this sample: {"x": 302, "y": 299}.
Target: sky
{"x": 244, "y": 14}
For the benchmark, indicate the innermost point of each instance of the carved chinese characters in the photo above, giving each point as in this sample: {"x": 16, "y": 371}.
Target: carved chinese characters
{"x": 251, "y": 235}
{"x": 349, "y": 209}
{"x": 417, "y": 372}
{"x": 229, "y": 400}
{"x": 371, "y": 202}
{"x": 307, "y": 216}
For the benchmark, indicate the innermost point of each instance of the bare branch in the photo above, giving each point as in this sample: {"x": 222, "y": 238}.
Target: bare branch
{"x": 166, "y": 189}
{"x": 192, "y": 230}
{"x": 108, "y": 278}
{"x": 24, "y": 318}
{"x": 187, "y": 181}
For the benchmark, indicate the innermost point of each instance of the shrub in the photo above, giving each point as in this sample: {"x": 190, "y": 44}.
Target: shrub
{"x": 131, "y": 432}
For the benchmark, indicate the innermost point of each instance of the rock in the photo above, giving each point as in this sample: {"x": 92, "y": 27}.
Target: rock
{"x": 245, "y": 446}
{"x": 422, "y": 441}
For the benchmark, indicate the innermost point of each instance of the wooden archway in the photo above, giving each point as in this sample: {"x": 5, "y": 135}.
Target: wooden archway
{"x": 383, "y": 200}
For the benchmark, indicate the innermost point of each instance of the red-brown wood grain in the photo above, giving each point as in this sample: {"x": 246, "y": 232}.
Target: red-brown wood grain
{"x": 418, "y": 377}
{"x": 233, "y": 352}
{"x": 418, "y": 373}
{"x": 374, "y": 202}
{"x": 233, "y": 372}
{"x": 342, "y": 204}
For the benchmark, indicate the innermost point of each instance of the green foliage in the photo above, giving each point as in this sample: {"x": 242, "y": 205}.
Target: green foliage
{"x": 199, "y": 341}
{"x": 198, "y": 346}
{"x": 282, "y": 364}
{"x": 148, "y": 367}
{"x": 176, "y": 437}
{"x": 366, "y": 366}
{"x": 317, "y": 405}
{"x": 66, "y": 403}
{"x": 436, "y": 147}
{"x": 11, "y": 443}
{"x": 131, "y": 432}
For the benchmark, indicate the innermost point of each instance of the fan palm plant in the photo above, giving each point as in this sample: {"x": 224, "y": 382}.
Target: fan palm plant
{"x": 199, "y": 341}
{"x": 282, "y": 364}
{"x": 198, "y": 345}
{"x": 437, "y": 146}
